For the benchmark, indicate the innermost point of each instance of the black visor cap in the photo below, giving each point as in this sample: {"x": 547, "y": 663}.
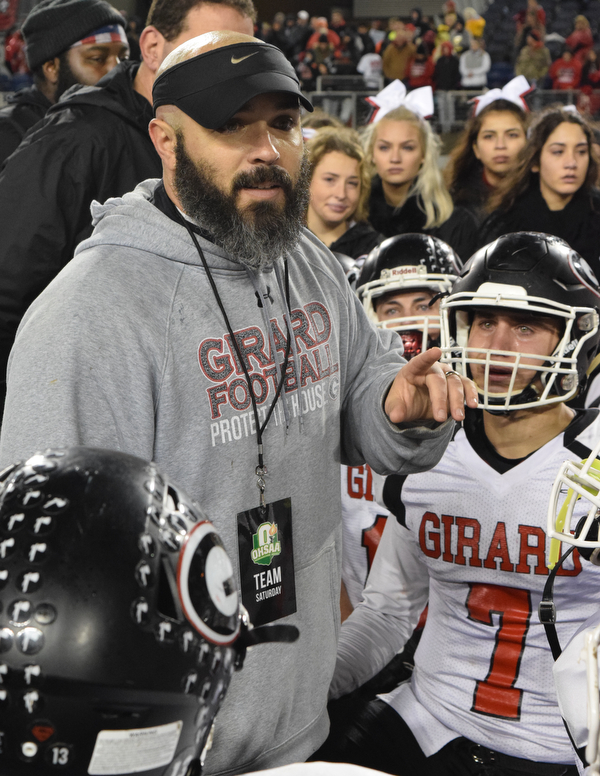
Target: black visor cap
{"x": 212, "y": 87}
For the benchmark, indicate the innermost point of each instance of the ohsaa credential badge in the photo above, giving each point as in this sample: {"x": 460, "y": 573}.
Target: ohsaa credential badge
{"x": 265, "y": 544}
{"x": 266, "y": 553}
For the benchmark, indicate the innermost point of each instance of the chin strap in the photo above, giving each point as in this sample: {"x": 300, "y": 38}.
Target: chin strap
{"x": 249, "y": 637}
{"x": 547, "y": 615}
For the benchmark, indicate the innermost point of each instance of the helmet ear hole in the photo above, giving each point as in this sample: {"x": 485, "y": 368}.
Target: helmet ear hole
{"x": 167, "y": 602}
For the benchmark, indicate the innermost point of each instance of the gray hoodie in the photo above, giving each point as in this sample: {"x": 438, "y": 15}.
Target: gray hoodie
{"x": 127, "y": 349}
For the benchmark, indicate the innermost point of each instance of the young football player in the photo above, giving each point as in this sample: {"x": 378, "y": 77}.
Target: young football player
{"x": 469, "y": 535}
{"x": 399, "y": 286}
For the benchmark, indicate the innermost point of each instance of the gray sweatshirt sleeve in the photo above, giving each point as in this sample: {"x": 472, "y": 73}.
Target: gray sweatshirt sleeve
{"x": 379, "y": 627}
{"x": 374, "y": 359}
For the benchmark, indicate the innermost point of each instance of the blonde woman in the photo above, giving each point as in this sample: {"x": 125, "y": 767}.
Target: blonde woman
{"x": 339, "y": 192}
{"x": 408, "y": 193}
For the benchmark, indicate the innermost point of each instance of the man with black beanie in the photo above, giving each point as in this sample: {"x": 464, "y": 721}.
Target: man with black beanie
{"x": 92, "y": 145}
{"x": 68, "y": 42}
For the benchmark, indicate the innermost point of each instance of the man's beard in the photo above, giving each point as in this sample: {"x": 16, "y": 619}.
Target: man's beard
{"x": 66, "y": 77}
{"x": 256, "y": 235}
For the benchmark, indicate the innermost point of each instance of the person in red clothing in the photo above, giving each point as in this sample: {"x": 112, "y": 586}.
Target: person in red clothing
{"x": 322, "y": 28}
{"x": 421, "y": 69}
{"x": 565, "y": 72}
{"x": 580, "y": 41}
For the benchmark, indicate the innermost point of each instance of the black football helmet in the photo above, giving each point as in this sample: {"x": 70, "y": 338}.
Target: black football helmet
{"x": 120, "y": 619}
{"x": 408, "y": 263}
{"x": 535, "y": 273}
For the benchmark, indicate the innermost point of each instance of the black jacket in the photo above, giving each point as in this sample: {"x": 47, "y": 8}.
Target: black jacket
{"x": 459, "y": 231}
{"x": 92, "y": 145}
{"x": 578, "y": 223}
{"x": 357, "y": 241}
{"x": 25, "y": 108}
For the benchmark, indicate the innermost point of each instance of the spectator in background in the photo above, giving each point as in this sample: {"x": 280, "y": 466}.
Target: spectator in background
{"x": 376, "y": 33}
{"x": 474, "y": 23}
{"x": 447, "y": 71}
{"x": 299, "y": 34}
{"x": 338, "y": 23}
{"x": 565, "y": 72}
{"x": 420, "y": 69}
{"x": 552, "y": 187}
{"x": 581, "y": 40}
{"x": 534, "y": 59}
{"x": 14, "y": 52}
{"x": 339, "y": 193}
{"x": 398, "y": 54}
{"x": 450, "y": 7}
{"x": 488, "y": 147}
{"x": 446, "y": 77}
{"x": 63, "y": 49}
{"x": 408, "y": 193}
{"x": 370, "y": 67}
{"x": 531, "y": 21}
{"x": 474, "y": 65}
{"x": 362, "y": 34}
{"x": 322, "y": 28}
{"x": 277, "y": 34}
{"x": 590, "y": 71}
{"x": 394, "y": 25}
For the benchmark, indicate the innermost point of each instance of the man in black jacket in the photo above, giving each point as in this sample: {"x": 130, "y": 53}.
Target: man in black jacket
{"x": 92, "y": 145}
{"x": 68, "y": 42}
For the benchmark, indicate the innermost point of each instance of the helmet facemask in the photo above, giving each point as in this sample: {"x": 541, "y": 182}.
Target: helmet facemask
{"x": 416, "y": 331}
{"x": 556, "y": 376}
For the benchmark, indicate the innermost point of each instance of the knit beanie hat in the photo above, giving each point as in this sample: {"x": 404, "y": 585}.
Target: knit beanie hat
{"x": 52, "y": 26}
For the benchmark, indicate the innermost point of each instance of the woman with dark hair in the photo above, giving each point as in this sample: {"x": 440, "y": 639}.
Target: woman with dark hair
{"x": 487, "y": 150}
{"x": 552, "y": 187}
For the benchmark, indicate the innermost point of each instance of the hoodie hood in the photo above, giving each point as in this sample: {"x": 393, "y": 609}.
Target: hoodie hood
{"x": 29, "y": 96}
{"x": 114, "y": 93}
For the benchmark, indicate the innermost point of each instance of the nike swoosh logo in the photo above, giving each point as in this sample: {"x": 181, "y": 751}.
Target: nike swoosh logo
{"x": 236, "y": 61}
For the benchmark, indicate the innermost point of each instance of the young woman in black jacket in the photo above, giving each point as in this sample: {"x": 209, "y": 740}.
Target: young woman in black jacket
{"x": 486, "y": 152}
{"x": 552, "y": 188}
{"x": 339, "y": 193}
{"x": 408, "y": 193}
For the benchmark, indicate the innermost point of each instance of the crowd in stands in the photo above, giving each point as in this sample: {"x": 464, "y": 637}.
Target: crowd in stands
{"x": 448, "y": 51}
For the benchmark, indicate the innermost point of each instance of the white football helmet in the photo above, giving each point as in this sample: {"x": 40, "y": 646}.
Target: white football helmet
{"x": 581, "y": 480}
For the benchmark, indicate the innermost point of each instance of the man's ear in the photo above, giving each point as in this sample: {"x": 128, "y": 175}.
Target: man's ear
{"x": 164, "y": 138}
{"x": 51, "y": 70}
{"x": 152, "y": 44}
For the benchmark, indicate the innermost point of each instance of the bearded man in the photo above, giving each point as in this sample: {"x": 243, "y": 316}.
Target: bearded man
{"x": 203, "y": 327}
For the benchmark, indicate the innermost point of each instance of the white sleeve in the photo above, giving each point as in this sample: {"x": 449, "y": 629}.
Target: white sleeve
{"x": 396, "y": 593}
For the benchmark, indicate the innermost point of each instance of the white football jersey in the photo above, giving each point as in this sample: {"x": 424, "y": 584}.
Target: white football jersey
{"x": 363, "y": 521}
{"x": 571, "y": 680}
{"x": 483, "y": 668}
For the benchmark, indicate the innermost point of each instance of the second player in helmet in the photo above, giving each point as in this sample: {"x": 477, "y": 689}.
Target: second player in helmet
{"x": 400, "y": 286}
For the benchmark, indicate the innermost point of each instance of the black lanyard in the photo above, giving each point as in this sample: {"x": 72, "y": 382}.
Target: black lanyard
{"x": 261, "y": 469}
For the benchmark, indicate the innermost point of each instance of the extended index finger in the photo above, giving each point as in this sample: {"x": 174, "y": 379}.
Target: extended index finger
{"x": 420, "y": 365}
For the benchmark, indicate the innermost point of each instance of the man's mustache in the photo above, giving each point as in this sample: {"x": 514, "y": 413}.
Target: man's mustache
{"x": 263, "y": 175}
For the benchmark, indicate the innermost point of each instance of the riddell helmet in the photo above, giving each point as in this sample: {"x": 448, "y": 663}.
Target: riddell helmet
{"x": 408, "y": 263}
{"x": 120, "y": 620}
{"x": 535, "y": 273}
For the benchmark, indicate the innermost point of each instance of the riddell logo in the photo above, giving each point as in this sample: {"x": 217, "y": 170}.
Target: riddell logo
{"x": 265, "y": 544}
{"x": 404, "y": 271}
